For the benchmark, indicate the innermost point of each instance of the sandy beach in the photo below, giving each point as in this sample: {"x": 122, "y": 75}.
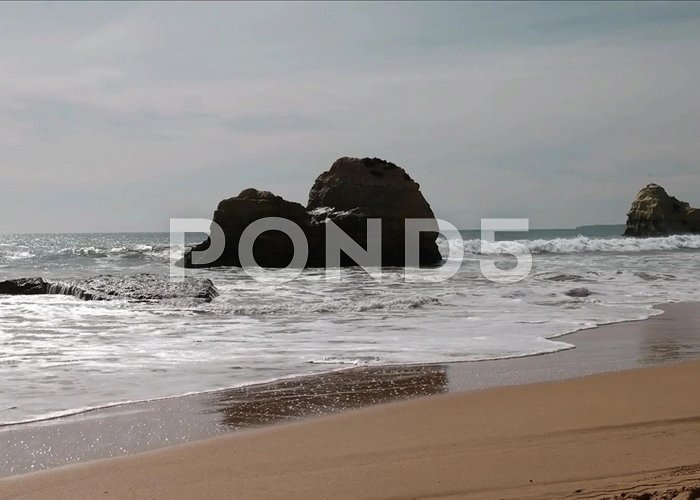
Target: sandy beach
{"x": 138, "y": 427}
{"x": 350, "y": 250}
{"x": 599, "y": 436}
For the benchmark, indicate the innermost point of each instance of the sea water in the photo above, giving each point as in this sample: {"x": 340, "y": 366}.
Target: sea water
{"x": 60, "y": 355}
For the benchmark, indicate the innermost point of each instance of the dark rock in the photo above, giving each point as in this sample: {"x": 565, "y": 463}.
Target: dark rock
{"x": 377, "y": 187}
{"x": 354, "y": 190}
{"x": 138, "y": 287}
{"x": 655, "y": 213}
{"x": 272, "y": 248}
{"x": 350, "y": 192}
{"x": 578, "y": 292}
{"x": 647, "y": 276}
{"x": 24, "y": 286}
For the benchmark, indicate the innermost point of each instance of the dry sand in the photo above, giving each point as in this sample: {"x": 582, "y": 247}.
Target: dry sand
{"x": 592, "y": 437}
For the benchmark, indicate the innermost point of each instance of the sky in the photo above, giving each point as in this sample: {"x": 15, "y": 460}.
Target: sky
{"x": 119, "y": 116}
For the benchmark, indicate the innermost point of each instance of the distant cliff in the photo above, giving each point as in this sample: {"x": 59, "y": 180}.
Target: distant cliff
{"x": 655, "y": 213}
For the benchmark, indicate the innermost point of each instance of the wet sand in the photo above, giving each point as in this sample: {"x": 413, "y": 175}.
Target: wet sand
{"x": 668, "y": 338}
{"x": 593, "y": 437}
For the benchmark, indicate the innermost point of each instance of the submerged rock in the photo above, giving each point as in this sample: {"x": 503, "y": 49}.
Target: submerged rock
{"x": 137, "y": 287}
{"x": 655, "y": 213}
{"x": 350, "y": 192}
{"x": 565, "y": 277}
{"x": 578, "y": 292}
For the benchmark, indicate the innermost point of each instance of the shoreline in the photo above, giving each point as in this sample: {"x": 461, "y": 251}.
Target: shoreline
{"x": 600, "y": 436}
{"x": 67, "y": 414}
{"x": 138, "y": 427}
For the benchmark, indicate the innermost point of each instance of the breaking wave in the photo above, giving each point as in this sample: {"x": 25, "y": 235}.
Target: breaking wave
{"x": 338, "y": 306}
{"x": 160, "y": 252}
{"x": 584, "y": 244}
{"x": 19, "y": 255}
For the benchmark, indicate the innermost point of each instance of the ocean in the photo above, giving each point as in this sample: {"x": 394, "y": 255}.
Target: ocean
{"x": 61, "y": 355}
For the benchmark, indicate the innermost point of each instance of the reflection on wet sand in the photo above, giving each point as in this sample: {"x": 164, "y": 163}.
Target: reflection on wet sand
{"x": 289, "y": 399}
{"x": 131, "y": 428}
{"x": 667, "y": 339}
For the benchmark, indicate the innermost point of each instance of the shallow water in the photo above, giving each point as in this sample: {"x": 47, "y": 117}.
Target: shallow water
{"x": 60, "y": 354}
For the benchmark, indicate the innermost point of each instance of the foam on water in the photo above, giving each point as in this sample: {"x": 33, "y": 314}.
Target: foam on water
{"x": 18, "y": 255}
{"x": 584, "y": 244}
{"x": 60, "y": 354}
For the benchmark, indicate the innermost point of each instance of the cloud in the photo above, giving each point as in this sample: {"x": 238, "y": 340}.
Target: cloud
{"x": 277, "y": 124}
{"x": 495, "y": 108}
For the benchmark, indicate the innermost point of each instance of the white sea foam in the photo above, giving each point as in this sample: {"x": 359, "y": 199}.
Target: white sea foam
{"x": 18, "y": 255}
{"x": 329, "y": 306}
{"x": 82, "y": 251}
{"x": 583, "y": 244}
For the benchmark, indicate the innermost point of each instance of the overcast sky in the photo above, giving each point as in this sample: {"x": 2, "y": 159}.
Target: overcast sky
{"x": 116, "y": 117}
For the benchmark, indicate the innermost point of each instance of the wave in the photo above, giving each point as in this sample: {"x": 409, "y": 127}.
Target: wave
{"x": 584, "y": 244}
{"x": 333, "y": 363}
{"x": 82, "y": 252}
{"x": 158, "y": 252}
{"x": 18, "y": 255}
{"x": 344, "y": 306}
{"x": 355, "y": 361}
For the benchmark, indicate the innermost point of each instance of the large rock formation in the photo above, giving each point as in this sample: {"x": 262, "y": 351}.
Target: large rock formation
{"x": 348, "y": 194}
{"x": 233, "y": 215}
{"x": 137, "y": 287}
{"x": 655, "y": 213}
{"x": 354, "y": 190}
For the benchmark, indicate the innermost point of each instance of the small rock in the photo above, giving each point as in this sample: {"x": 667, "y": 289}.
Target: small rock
{"x": 578, "y": 292}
